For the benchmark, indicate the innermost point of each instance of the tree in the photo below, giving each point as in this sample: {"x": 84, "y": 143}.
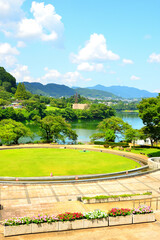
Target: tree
{"x": 149, "y": 112}
{"x": 111, "y": 128}
{"x": 101, "y": 111}
{"x": 35, "y": 107}
{"x": 55, "y": 129}
{"x": 131, "y": 135}
{"x": 11, "y": 131}
{"x": 21, "y": 93}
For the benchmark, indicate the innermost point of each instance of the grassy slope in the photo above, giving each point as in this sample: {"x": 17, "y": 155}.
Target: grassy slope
{"x": 153, "y": 151}
{"x": 41, "y": 162}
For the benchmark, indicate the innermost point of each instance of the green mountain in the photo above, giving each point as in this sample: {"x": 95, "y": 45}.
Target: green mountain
{"x": 125, "y": 92}
{"x": 93, "y": 93}
{"x": 7, "y": 81}
{"x": 51, "y": 89}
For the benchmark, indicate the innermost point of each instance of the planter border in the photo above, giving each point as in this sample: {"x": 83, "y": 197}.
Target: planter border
{"x": 117, "y": 199}
{"x": 69, "y": 225}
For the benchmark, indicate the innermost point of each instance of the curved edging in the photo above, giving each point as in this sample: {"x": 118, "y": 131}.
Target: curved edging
{"x": 79, "y": 178}
{"x": 56, "y": 178}
{"x": 81, "y": 181}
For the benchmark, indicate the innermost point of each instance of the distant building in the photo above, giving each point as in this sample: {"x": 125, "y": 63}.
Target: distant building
{"x": 80, "y": 106}
{"x": 15, "y": 105}
{"x": 143, "y": 142}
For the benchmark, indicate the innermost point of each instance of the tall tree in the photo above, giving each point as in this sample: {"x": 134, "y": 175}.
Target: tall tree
{"x": 111, "y": 128}
{"x": 55, "y": 129}
{"x": 149, "y": 112}
{"x": 11, "y": 131}
{"x": 21, "y": 92}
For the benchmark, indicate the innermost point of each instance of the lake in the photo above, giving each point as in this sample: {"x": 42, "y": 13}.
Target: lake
{"x": 85, "y": 128}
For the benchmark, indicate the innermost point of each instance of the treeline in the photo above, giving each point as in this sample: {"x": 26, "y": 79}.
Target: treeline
{"x": 122, "y": 106}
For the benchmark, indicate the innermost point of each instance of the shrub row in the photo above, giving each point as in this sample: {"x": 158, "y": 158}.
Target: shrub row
{"x": 115, "y": 196}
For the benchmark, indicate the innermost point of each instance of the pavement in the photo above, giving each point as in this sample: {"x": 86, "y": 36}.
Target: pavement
{"x": 32, "y": 199}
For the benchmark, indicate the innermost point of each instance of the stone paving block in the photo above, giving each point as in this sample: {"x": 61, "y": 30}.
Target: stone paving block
{"x": 136, "y": 186}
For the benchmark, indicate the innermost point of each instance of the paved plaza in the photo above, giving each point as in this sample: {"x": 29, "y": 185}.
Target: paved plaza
{"x": 20, "y": 200}
{"x": 34, "y": 199}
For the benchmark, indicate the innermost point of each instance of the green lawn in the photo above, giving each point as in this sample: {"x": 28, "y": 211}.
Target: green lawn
{"x": 152, "y": 151}
{"x": 41, "y": 162}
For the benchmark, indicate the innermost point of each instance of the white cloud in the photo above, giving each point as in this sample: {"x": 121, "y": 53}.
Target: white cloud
{"x": 10, "y": 10}
{"x": 154, "y": 58}
{"x": 21, "y": 44}
{"x": 85, "y": 66}
{"x": 22, "y": 74}
{"x": 127, "y": 61}
{"x": 133, "y": 77}
{"x": 53, "y": 76}
{"x": 45, "y": 25}
{"x": 94, "y": 50}
{"x": 157, "y": 91}
{"x": 7, "y": 54}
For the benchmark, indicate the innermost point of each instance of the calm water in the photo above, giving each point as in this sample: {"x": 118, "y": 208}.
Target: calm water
{"x": 85, "y": 128}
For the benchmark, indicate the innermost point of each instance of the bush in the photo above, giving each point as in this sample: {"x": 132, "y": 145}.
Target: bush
{"x": 106, "y": 145}
{"x": 145, "y": 146}
{"x": 119, "y": 144}
{"x": 99, "y": 143}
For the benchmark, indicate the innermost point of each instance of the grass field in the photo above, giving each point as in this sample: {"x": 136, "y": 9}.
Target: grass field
{"x": 153, "y": 152}
{"x": 42, "y": 162}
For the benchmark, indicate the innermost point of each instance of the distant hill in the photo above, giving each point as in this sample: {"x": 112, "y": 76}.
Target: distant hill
{"x": 51, "y": 89}
{"x": 125, "y": 92}
{"x": 93, "y": 93}
{"x": 7, "y": 81}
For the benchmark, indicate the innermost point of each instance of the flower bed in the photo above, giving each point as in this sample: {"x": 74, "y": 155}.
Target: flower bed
{"x": 119, "y": 216}
{"x": 68, "y": 221}
{"x": 114, "y": 198}
{"x": 143, "y": 214}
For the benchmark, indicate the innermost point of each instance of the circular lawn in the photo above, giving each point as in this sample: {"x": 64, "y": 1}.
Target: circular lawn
{"x": 44, "y": 161}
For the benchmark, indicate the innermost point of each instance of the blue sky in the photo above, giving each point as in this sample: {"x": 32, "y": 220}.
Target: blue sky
{"x": 82, "y": 42}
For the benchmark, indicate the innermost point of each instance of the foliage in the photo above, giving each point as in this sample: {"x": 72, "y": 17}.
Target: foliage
{"x": 11, "y": 131}
{"x": 97, "y": 214}
{"x": 35, "y": 107}
{"x": 110, "y": 128}
{"x": 55, "y": 129}
{"x": 149, "y": 112}
{"x": 114, "y": 212}
{"x": 7, "y": 81}
{"x": 5, "y": 95}
{"x": 120, "y": 105}
{"x": 131, "y": 135}
{"x": 116, "y": 144}
{"x": 21, "y": 93}
{"x": 115, "y": 196}
{"x": 14, "y": 114}
{"x": 142, "y": 210}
